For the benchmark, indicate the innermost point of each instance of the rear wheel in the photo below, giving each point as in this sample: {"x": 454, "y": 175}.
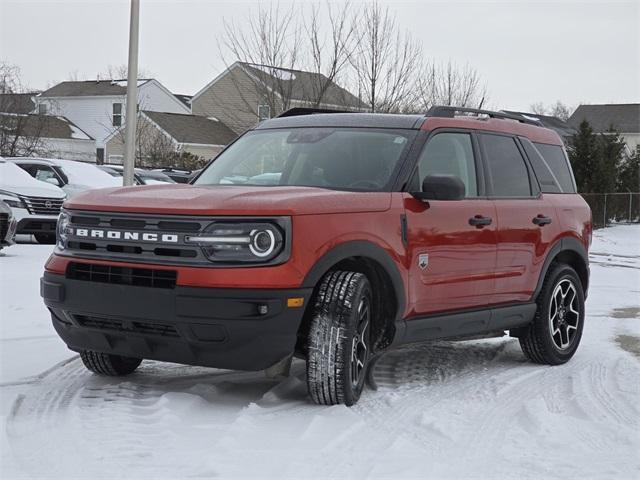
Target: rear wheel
{"x": 109, "y": 365}
{"x": 555, "y": 333}
{"x": 45, "y": 238}
{"x": 340, "y": 339}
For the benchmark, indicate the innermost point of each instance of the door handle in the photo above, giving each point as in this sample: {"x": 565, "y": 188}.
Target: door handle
{"x": 542, "y": 220}
{"x": 479, "y": 221}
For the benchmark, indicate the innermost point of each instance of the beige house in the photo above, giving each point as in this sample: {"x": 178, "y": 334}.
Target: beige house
{"x": 161, "y": 134}
{"x": 245, "y": 94}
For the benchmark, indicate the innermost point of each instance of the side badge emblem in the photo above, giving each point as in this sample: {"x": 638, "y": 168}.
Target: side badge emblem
{"x": 423, "y": 261}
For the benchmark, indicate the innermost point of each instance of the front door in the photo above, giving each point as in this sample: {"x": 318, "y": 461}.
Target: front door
{"x": 451, "y": 244}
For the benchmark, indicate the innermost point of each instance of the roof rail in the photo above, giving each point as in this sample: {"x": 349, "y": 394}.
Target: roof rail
{"x": 450, "y": 112}
{"x": 298, "y": 111}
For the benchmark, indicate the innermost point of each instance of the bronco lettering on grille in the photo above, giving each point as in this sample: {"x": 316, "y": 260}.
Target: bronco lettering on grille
{"x": 124, "y": 235}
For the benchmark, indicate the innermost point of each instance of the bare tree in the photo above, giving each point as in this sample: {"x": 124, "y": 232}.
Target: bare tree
{"x": 558, "y": 109}
{"x": 385, "y": 60}
{"x": 268, "y": 46}
{"x": 450, "y": 84}
{"x": 330, "y": 46}
{"x": 21, "y": 132}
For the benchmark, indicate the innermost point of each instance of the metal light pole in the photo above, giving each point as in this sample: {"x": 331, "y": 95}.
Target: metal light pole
{"x": 132, "y": 97}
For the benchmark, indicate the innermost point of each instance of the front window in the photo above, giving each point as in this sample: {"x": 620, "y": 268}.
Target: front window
{"x": 117, "y": 114}
{"x": 42, "y": 108}
{"x": 337, "y": 158}
{"x": 264, "y": 112}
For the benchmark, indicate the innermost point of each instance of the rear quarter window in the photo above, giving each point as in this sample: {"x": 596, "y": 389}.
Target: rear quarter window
{"x": 558, "y": 163}
{"x": 547, "y": 180}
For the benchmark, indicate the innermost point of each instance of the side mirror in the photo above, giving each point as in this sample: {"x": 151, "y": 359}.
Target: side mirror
{"x": 441, "y": 187}
{"x": 53, "y": 181}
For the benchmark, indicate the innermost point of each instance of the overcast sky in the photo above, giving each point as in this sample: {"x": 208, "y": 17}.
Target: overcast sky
{"x": 576, "y": 52}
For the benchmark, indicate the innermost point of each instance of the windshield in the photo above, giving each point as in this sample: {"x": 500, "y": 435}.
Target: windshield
{"x": 340, "y": 158}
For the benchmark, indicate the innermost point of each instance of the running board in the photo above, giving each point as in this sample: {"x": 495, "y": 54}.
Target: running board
{"x": 464, "y": 324}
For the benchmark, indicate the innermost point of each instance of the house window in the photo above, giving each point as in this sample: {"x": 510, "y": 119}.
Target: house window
{"x": 42, "y": 108}
{"x": 264, "y": 112}
{"x": 116, "y": 159}
{"x": 117, "y": 114}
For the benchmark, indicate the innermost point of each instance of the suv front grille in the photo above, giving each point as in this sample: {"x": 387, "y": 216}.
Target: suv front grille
{"x": 105, "y": 238}
{"x": 42, "y": 205}
{"x": 4, "y": 225}
{"x": 140, "y": 277}
{"x": 124, "y": 325}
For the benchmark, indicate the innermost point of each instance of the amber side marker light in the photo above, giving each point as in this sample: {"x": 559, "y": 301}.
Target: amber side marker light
{"x": 295, "y": 302}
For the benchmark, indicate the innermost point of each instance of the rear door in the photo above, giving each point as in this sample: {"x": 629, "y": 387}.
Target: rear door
{"x": 451, "y": 244}
{"x": 526, "y": 221}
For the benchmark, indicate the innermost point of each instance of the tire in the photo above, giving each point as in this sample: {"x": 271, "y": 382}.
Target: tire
{"x": 109, "y": 365}
{"x": 554, "y": 335}
{"x": 45, "y": 238}
{"x": 339, "y": 344}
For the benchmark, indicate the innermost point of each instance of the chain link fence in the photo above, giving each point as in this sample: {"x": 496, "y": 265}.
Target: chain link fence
{"x": 608, "y": 208}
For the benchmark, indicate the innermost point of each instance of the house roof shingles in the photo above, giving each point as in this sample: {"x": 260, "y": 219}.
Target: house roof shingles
{"x": 561, "y": 127}
{"x": 17, "y": 102}
{"x": 90, "y": 88}
{"x": 624, "y": 117}
{"x": 43, "y": 126}
{"x": 192, "y": 128}
{"x": 303, "y": 86}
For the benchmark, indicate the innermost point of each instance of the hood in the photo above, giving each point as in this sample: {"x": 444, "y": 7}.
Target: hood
{"x": 183, "y": 199}
{"x": 15, "y": 180}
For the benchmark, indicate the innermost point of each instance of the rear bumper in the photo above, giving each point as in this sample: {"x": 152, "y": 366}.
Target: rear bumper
{"x": 221, "y": 328}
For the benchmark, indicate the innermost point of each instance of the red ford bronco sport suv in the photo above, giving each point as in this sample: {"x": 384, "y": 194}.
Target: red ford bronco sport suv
{"x": 333, "y": 237}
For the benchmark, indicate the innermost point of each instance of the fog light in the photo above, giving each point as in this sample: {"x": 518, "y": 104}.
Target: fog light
{"x": 263, "y": 309}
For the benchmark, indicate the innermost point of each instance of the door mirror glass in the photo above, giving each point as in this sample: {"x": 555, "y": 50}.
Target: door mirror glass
{"x": 441, "y": 187}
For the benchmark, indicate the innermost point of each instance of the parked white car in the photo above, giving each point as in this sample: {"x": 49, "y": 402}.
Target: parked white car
{"x": 7, "y": 226}
{"x": 73, "y": 177}
{"x": 35, "y": 205}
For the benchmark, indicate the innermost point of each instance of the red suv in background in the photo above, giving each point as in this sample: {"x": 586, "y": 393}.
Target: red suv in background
{"x": 333, "y": 237}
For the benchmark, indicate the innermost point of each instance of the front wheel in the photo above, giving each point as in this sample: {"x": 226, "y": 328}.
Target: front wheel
{"x": 555, "y": 333}
{"x": 340, "y": 339}
{"x": 109, "y": 365}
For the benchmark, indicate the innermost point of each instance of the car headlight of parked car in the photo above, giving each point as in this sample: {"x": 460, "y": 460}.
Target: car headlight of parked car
{"x": 244, "y": 242}
{"x": 11, "y": 199}
{"x": 62, "y": 230}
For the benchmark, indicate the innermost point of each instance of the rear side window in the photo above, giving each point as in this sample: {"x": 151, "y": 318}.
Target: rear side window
{"x": 559, "y": 165}
{"x": 548, "y": 181}
{"x": 507, "y": 168}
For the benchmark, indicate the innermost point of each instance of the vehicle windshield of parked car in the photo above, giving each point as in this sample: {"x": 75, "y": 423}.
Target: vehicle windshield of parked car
{"x": 340, "y": 158}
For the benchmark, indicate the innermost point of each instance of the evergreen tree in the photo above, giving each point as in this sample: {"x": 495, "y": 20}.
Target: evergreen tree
{"x": 629, "y": 178}
{"x": 583, "y": 155}
{"x": 610, "y": 161}
{"x": 596, "y": 159}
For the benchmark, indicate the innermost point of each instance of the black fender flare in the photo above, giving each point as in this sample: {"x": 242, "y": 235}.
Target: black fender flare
{"x": 564, "y": 244}
{"x": 359, "y": 248}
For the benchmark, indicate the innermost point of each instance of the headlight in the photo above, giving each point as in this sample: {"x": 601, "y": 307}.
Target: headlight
{"x": 241, "y": 242}
{"x": 62, "y": 230}
{"x": 11, "y": 199}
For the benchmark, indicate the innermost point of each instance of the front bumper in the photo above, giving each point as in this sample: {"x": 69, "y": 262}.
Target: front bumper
{"x": 29, "y": 224}
{"x": 223, "y": 328}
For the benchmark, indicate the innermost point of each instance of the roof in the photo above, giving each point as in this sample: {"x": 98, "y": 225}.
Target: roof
{"x": 363, "y": 120}
{"x": 90, "y": 88}
{"x": 302, "y": 85}
{"x": 554, "y": 123}
{"x": 624, "y": 117}
{"x": 186, "y": 128}
{"x": 43, "y": 126}
{"x": 17, "y": 102}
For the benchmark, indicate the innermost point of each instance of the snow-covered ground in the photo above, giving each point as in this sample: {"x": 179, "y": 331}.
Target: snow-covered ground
{"x": 445, "y": 410}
